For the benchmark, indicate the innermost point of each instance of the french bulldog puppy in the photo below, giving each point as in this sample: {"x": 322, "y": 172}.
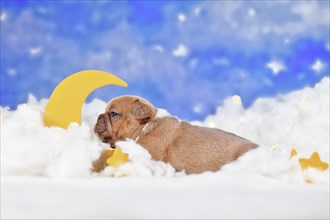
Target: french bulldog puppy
{"x": 193, "y": 149}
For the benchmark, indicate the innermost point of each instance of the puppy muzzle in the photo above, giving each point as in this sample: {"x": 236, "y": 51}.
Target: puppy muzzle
{"x": 103, "y": 129}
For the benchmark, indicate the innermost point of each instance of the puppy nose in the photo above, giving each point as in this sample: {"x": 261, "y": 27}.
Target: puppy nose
{"x": 100, "y": 127}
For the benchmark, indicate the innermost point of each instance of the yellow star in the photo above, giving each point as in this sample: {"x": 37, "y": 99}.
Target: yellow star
{"x": 293, "y": 153}
{"x": 117, "y": 158}
{"x": 314, "y": 162}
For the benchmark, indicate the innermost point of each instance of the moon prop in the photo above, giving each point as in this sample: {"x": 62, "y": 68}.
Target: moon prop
{"x": 65, "y": 103}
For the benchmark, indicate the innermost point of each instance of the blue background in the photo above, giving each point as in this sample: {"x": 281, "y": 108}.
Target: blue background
{"x": 184, "y": 56}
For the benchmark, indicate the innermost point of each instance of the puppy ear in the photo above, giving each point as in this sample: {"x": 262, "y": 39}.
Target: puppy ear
{"x": 143, "y": 112}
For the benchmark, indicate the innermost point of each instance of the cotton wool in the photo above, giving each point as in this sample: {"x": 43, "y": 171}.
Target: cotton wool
{"x": 297, "y": 120}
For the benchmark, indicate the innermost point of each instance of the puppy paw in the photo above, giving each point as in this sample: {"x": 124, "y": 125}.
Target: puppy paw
{"x": 101, "y": 163}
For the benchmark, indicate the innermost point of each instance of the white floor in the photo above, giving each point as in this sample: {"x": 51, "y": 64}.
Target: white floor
{"x": 159, "y": 197}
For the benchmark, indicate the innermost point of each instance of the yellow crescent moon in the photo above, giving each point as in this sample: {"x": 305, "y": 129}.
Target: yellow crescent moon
{"x": 65, "y": 103}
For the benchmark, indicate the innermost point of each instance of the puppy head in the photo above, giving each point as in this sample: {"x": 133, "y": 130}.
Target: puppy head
{"x": 124, "y": 118}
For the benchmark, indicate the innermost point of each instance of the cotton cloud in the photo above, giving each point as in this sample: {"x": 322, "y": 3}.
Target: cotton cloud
{"x": 296, "y": 120}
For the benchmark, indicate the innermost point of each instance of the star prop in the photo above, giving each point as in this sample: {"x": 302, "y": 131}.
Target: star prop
{"x": 293, "y": 153}
{"x": 117, "y": 158}
{"x": 313, "y": 162}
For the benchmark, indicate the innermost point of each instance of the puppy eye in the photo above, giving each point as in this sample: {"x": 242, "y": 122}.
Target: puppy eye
{"x": 114, "y": 114}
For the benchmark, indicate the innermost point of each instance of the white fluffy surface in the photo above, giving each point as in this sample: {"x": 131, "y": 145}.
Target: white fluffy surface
{"x": 45, "y": 172}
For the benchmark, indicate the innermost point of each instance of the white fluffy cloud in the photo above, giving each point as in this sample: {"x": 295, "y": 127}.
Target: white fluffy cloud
{"x": 297, "y": 120}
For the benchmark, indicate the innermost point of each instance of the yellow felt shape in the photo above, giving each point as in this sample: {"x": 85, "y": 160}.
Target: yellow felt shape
{"x": 65, "y": 103}
{"x": 313, "y": 162}
{"x": 293, "y": 153}
{"x": 117, "y": 158}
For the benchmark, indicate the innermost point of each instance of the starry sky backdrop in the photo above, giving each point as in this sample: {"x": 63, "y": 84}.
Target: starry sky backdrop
{"x": 186, "y": 57}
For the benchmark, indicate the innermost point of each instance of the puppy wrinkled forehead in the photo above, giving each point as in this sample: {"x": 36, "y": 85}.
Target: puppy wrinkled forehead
{"x": 115, "y": 102}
